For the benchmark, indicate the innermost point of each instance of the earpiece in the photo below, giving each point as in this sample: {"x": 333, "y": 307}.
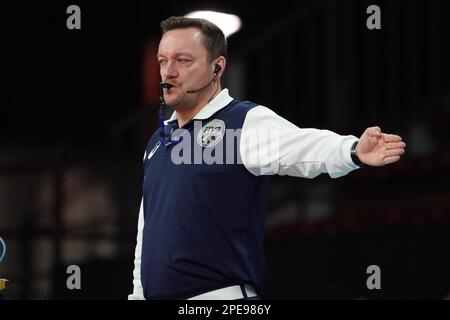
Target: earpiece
{"x": 217, "y": 69}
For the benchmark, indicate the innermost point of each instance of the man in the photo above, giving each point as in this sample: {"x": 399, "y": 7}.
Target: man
{"x": 200, "y": 230}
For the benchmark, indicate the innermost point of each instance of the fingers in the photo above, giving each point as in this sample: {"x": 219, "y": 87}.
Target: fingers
{"x": 394, "y": 152}
{"x": 395, "y": 145}
{"x": 389, "y": 160}
{"x": 391, "y": 137}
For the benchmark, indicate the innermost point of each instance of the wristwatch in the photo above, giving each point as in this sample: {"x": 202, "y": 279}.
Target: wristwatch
{"x": 354, "y": 155}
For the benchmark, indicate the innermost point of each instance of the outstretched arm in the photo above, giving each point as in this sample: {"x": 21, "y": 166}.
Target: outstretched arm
{"x": 376, "y": 148}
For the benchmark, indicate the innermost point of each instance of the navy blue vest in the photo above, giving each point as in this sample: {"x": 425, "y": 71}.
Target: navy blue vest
{"x": 204, "y": 223}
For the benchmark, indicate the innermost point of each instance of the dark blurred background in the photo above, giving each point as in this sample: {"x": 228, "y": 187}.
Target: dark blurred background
{"x": 78, "y": 106}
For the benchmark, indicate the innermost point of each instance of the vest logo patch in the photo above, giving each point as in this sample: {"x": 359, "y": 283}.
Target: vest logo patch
{"x": 154, "y": 150}
{"x": 211, "y": 133}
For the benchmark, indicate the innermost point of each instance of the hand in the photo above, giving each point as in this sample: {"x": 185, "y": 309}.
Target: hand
{"x": 378, "y": 149}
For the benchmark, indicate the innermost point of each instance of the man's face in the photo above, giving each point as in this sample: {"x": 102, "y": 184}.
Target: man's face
{"x": 183, "y": 62}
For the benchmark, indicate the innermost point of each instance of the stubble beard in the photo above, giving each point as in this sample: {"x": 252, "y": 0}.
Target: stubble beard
{"x": 181, "y": 103}
{"x": 177, "y": 104}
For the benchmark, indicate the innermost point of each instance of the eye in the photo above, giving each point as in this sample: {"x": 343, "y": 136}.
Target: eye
{"x": 162, "y": 62}
{"x": 183, "y": 61}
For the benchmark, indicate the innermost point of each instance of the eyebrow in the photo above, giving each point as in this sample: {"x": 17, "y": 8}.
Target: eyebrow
{"x": 177, "y": 55}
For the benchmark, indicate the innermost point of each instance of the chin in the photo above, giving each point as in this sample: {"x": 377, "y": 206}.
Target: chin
{"x": 179, "y": 103}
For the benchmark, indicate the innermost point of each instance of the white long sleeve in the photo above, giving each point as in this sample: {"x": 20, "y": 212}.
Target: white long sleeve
{"x": 138, "y": 292}
{"x": 271, "y": 145}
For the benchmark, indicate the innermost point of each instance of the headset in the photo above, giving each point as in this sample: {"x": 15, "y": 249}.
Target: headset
{"x": 164, "y": 136}
{"x": 217, "y": 69}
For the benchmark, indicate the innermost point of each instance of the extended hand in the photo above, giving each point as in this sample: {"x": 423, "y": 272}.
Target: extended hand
{"x": 378, "y": 149}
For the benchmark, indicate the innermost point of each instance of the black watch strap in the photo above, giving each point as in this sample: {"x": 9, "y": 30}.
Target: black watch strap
{"x": 354, "y": 155}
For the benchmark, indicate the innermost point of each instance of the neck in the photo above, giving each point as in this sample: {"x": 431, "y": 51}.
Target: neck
{"x": 185, "y": 115}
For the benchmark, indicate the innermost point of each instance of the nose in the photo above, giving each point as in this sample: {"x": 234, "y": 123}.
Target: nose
{"x": 169, "y": 71}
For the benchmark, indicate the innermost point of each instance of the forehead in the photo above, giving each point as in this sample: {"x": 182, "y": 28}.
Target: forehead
{"x": 189, "y": 40}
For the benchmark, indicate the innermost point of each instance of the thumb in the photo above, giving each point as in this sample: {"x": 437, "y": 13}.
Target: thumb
{"x": 374, "y": 131}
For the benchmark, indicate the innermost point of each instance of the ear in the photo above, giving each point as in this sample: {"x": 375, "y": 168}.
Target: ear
{"x": 219, "y": 66}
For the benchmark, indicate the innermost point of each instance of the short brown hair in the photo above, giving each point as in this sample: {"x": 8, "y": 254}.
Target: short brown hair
{"x": 215, "y": 42}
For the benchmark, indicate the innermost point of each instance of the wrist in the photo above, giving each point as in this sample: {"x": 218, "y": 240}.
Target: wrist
{"x": 354, "y": 155}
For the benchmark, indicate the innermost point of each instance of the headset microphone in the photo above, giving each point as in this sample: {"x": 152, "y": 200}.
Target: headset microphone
{"x": 165, "y": 85}
{"x": 165, "y": 134}
{"x": 217, "y": 69}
